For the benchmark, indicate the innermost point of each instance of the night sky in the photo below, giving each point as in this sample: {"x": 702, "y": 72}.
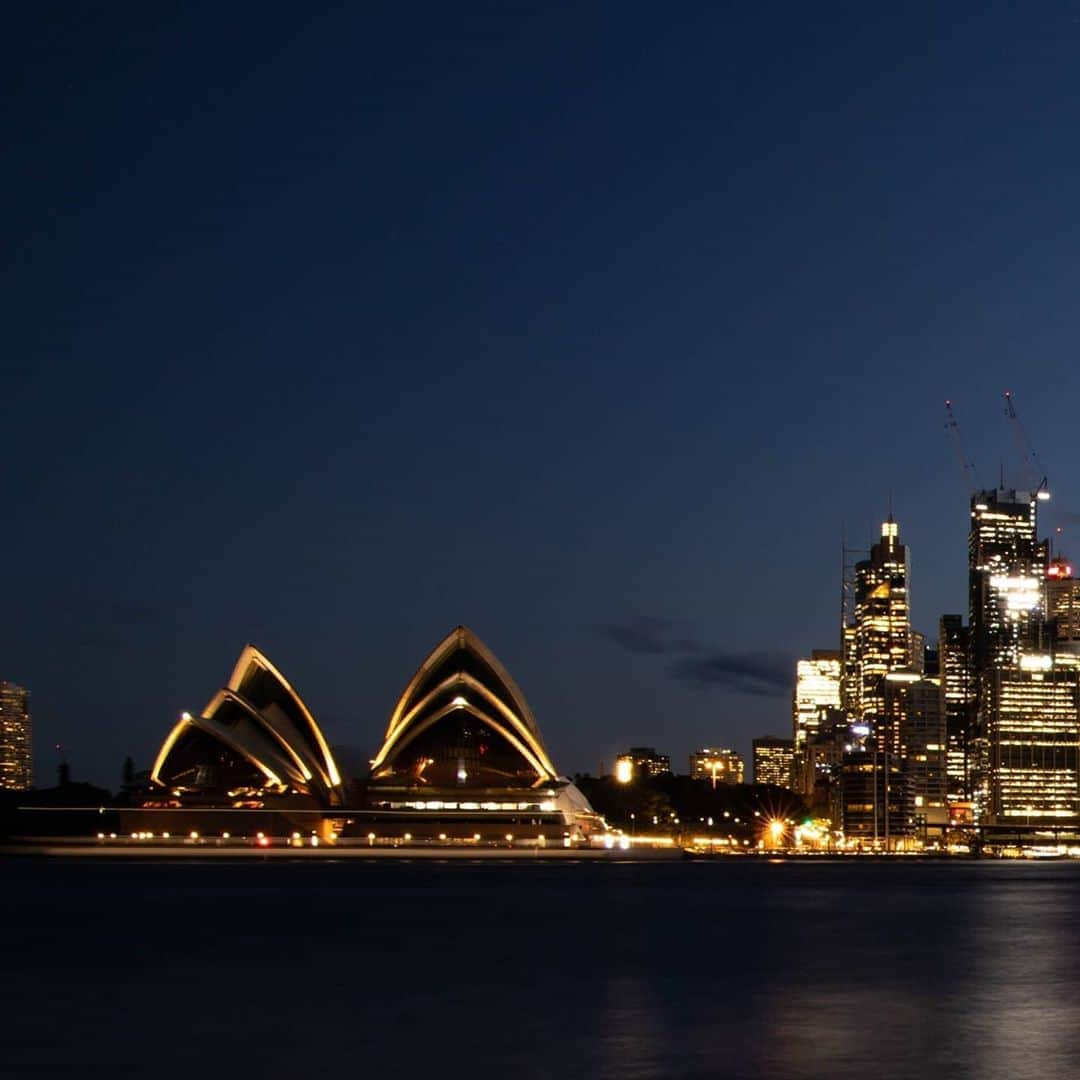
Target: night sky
{"x": 329, "y": 327}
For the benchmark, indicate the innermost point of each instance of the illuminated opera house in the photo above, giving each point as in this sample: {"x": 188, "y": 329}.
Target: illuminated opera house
{"x": 462, "y": 762}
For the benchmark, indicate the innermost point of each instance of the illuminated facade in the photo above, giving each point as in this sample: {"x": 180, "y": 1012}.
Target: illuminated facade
{"x": 817, "y": 693}
{"x": 816, "y": 708}
{"x": 916, "y": 703}
{"x": 255, "y": 745}
{"x": 641, "y": 761}
{"x": 719, "y": 765}
{"x": 16, "y": 766}
{"x": 957, "y": 700}
{"x": 883, "y": 639}
{"x": 874, "y": 801}
{"x": 1034, "y": 741}
{"x": 774, "y": 761}
{"x": 1006, "y": 568}
{"x": 1063, "y": 601}
{"x": 462, "y": 757}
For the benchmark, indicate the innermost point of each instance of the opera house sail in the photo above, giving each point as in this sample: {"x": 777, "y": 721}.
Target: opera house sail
{"x": 255, "y": 741}
{"x": 462, "y": 751}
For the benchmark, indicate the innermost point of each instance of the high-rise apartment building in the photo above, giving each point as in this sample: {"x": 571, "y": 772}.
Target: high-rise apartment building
{"x": 883, "y": 639}
{"x": 16, "y": 768}
{"x": 720, "y": 765}
{"x": 774, "y": 761}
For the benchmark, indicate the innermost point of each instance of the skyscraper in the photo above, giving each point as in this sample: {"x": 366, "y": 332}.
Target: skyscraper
{"x": 957, "y": 700}
{"x": 883, "y": 639}
{"x": 16, "y": 769}
{"x": 1006, "y": 568}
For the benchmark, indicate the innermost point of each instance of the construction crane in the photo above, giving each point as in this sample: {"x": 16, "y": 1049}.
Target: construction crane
{"x": 954, "y": 437}
{"x": 1027, "y": 451}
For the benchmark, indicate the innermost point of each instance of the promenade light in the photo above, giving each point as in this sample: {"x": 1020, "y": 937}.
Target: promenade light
{"x": 624, "y": 770}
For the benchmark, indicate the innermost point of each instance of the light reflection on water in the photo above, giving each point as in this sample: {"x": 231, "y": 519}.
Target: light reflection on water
{"x": 727, "y": 969}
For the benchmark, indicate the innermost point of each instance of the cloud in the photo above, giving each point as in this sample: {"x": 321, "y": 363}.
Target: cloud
{"x": 642, "y": 634}
{"x": 760, "y": 674}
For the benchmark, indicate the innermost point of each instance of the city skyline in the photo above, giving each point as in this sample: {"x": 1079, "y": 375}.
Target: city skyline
{"x": 592, "y": 332}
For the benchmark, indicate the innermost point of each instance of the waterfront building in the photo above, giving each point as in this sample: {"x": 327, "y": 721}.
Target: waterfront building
{"x": 641, "y": 761}
{"x": 874, "y": 800}
{"x": 463, "y": 758}
{"x": 883, "y": 639}
{"x": 255, "y": 745}
{"x": 720, "y": 765}
{"x": 774, "y": 761}
{"x": 16, "y": 764}
{"x": 462, "y": 761}
{"x": 1034, "y": 738}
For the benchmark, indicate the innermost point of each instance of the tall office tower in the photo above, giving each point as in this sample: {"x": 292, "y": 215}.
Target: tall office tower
{"x": 774, "y": 761}
{"x": 1034, "y": 739}
{"x": 16, "y": 768}
{"x": 1006, "y": 568}
{"x": 916, "y": 704}
{"x": 883, "y": 637}
{"x": 720, "y": 765}
{"x": 957, "y": 700}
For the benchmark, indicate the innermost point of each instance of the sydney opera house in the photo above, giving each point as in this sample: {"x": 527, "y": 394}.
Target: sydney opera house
{"x": 462, "y": 762}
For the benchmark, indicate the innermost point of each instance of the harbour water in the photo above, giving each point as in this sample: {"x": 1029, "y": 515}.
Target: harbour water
{"x": 401, "y": 969}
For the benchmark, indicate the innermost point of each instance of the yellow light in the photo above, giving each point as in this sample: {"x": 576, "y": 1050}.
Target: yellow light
{"x": 442, "y": 836}
{"x": 408, "y": 836}
{"x": 624, "y": 770}
{"x": 164, "y": 836}
{"x": 101, "y": 836}
{"x": 776, "y": 829}
{"x": 509, "y": 837}
{"x": 194, "y": 835}
{"x": 476, "y": 836}
{"x": 224, "y": 836}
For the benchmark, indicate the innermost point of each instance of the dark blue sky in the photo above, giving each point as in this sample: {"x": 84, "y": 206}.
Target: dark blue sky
{"x": 329, "y": 327}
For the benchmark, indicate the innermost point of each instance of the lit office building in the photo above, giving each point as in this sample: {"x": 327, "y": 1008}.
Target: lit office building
{"x": 1033, "y": 736}
{"x": 774, "y": 761}
{"x": 1006, "y": 569}
{"x": 719, "y": 765}
{"x": 641, "y": 761}
{"x": 915, "y": 703}
{"x": 16, "y": 768}
{"x": 957, "y": 700}
{"x": 817, "y": 691}
{"x": 883, "y": 639}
